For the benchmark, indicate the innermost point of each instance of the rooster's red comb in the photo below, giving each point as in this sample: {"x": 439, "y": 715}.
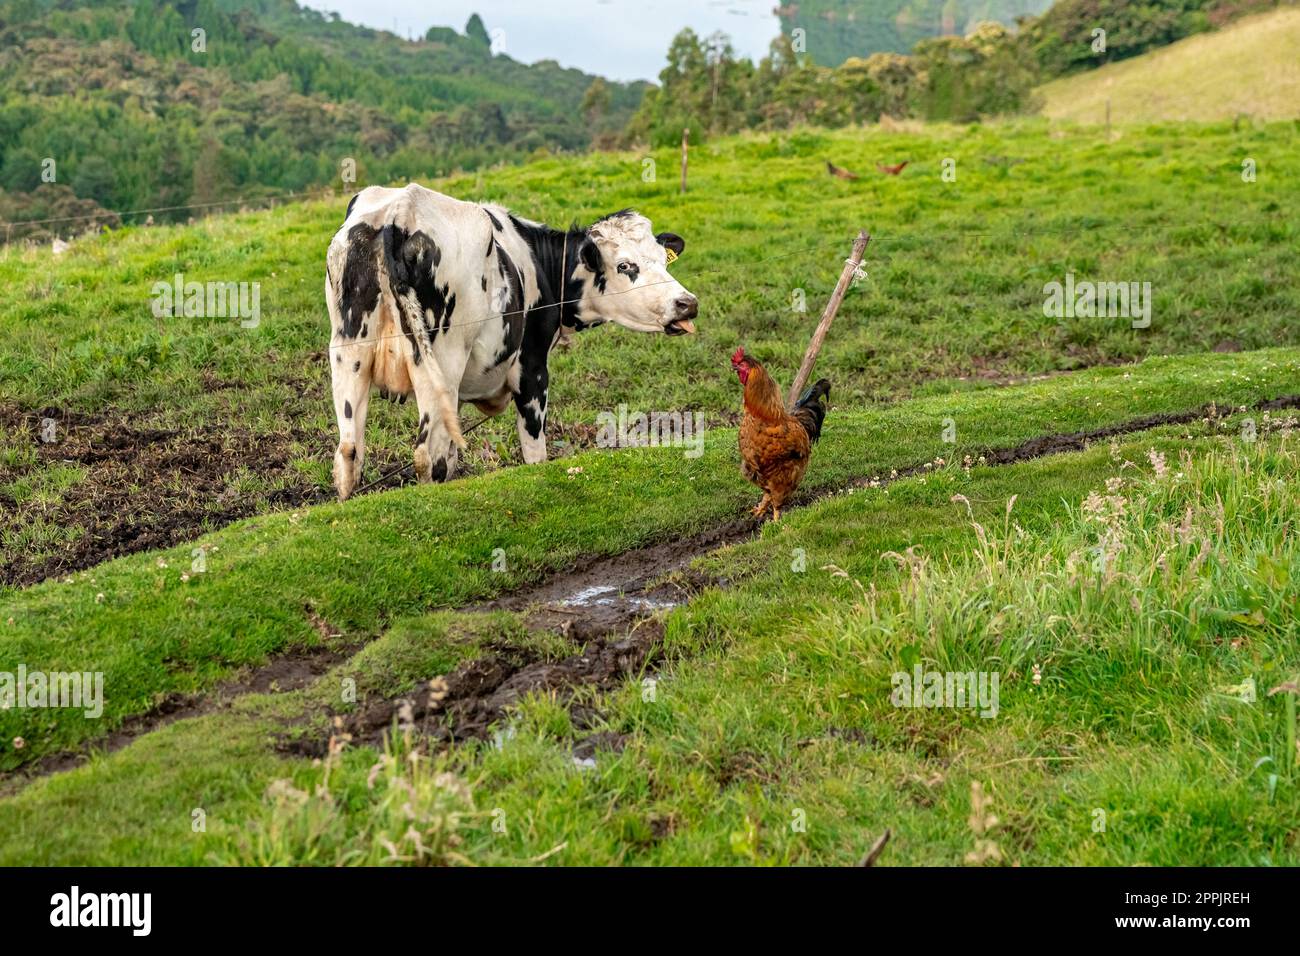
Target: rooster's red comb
{"x": 738, "y": 356}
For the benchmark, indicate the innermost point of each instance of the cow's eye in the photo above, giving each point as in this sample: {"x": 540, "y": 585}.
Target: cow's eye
{"x": 628, "y": 269}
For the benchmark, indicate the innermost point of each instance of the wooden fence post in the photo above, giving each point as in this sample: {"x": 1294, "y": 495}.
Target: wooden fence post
{"x": 828, "y": 316}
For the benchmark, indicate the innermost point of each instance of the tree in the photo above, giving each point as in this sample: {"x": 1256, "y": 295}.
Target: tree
{"x": 476, "y": 31}
{"x": 93, "y": 178}
{"x": 595, "y": 102}
{"x": 22, "y": 170}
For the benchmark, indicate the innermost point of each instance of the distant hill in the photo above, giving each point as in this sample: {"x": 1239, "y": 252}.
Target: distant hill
{"x": 1251, "y": 67}
{"x": 137, "y": 110}
{"x": 1063, "y": 40}
{"x": 839, "y": 29}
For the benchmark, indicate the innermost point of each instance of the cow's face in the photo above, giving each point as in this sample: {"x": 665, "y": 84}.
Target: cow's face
{"x": 623, "y": 266}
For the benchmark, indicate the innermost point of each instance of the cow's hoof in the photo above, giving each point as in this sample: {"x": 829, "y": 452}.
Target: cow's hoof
{"x": 345, "y": 470}
{"x": 423, "y": 465}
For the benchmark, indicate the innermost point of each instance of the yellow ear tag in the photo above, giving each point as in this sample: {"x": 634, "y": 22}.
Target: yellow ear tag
{"x": 672, "y": 256}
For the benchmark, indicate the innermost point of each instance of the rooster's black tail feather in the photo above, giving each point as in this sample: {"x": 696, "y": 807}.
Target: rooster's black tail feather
{"x": 810, "y": 410}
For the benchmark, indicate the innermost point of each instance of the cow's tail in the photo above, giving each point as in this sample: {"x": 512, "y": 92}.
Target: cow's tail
{"x": 402, "y": 278}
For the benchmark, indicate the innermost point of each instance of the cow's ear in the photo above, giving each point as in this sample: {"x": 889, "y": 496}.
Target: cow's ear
{"x": 589, "y": 253}
{"x": 670, "y": 240}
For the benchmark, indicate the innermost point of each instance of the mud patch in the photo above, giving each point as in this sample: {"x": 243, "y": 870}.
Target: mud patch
{"x": 599, "y": 583}
{"x": 1078, "y": 441}
{"x": 288, "y": 672}
{"x": 143, "y": 488}
{"x": 611, "y": 608}
{"x": 467, "y": 703}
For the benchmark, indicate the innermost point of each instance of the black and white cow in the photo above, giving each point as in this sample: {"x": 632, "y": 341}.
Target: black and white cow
{"x": 459, "y": 302}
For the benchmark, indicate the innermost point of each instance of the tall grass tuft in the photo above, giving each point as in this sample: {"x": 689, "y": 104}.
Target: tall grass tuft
{"x": 409, "y": 812}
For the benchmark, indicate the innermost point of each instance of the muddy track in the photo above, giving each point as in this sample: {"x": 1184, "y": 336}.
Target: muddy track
{"x": 285, "y": 673}
{"x": 1078, "y": 441}
{"x": 467, "y": 703}
{"x": 608, "y": 606}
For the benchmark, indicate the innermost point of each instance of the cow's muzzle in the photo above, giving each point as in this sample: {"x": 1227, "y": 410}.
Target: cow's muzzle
{"x": 686, "y": 308}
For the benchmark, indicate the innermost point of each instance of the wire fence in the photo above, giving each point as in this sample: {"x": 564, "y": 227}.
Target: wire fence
{"x": 838, "y": 243}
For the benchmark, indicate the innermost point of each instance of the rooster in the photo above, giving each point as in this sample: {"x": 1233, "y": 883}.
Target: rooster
{"x": 775, "y": 444}
{"x": 892, "y": 170}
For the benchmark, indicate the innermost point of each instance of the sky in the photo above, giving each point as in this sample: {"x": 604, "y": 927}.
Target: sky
{"x": 618, "y": 39}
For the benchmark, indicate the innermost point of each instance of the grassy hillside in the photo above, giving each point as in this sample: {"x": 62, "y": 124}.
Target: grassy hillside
{"x": 1116, "y": 543}
{"x": 953, "y": 299}
{"x": 770, "y": 697}
{"x": 158, "y": 627}
{"x": 1250, "y": 68}
{"x": 1063, "y": 40}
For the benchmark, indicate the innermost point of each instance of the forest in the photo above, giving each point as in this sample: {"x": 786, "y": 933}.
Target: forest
{"x": 175, "y": 107}
{"x": 116, "y": 111}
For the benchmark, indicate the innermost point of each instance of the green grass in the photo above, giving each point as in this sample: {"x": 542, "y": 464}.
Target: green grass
{"x": 773, "y": 694}
{"x": 155, "y": 626}
{"x": 1248, "y": 69}
{"x": 953, "y": 300}
{"x": 773, "y": 702}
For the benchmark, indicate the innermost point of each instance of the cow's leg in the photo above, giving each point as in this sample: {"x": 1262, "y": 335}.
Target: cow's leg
{"x": 436, "y": 454}
{"x": 530, "y": 402}
{"x": 350, "y": 369}
{"x": 351, "y": 360}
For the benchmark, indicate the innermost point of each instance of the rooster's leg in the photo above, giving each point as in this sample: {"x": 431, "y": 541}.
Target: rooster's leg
{"x": 761, "y": 507}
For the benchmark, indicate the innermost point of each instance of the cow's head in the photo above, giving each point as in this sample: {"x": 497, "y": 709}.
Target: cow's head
{"x": 623, "y": 270}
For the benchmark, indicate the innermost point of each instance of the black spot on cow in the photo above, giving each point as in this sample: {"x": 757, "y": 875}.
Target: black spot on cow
{"x": 589, "y": 254}
{"x": 496, "y": 223}
{"x": 412, "y": 260}
{"x": 357, "y": 367}
{"x": 359, "y": 286}
{"x": 556, "y": 254}
{"x": 439, "y": 470}
{"x": 351, "y": 202}
{"x": 512, "y": 317}
{"x": 347, "y": 409}
{"x": 482, "y": 280}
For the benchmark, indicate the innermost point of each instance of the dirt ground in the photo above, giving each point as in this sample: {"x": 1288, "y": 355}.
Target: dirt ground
{"x": 607, "y": 607}
{"x": 148, "y": 488}
{"x": 144, "y": 488}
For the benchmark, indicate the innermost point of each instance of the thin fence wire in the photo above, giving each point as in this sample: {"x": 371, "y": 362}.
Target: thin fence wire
{"x": 808, "y": 250}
